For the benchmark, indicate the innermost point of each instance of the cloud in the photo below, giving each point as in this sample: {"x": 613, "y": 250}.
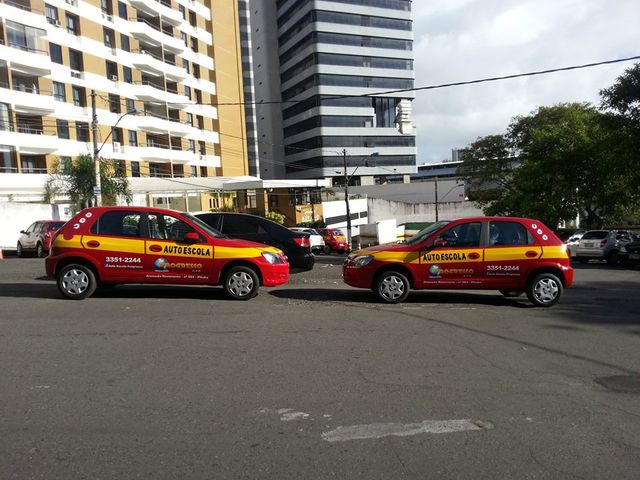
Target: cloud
{"x": 468, "y": 39}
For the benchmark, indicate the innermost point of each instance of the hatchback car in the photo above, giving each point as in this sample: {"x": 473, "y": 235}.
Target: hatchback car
{"x": 334, "y": 240}
{"x": 37, "y": 238}
{"x": 105, "y": 246}
{"x": 630, "y": 253}
{"x": 512, "y": 255}
{"x": 316, "y": 240}
{"x": 602, "y": 245}
{"x": 295, "y": 245}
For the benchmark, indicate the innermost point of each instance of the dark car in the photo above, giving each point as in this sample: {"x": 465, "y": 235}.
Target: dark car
{"x": 295, "y": 245}
{"x": 37, "y": 238}
{"x": 629, "y": 254}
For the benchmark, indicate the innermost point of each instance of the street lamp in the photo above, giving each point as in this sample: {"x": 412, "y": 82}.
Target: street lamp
{"x": 97, "y": 189}
{"x": 457, "y": 184}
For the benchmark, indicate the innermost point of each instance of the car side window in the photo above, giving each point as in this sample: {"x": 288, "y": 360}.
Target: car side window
{"x": 508, "y": 234}
{"x": 118, "y": 223}
{"x": 234, "y": 224}
{"x": 463, "y": 235}
{"x": 32, "y": 227}
{"x": 166, "y": 227}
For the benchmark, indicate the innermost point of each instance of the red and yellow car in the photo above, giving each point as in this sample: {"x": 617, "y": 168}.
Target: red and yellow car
{"x": 105, "y": 246}
{"x": 512, "y": 255}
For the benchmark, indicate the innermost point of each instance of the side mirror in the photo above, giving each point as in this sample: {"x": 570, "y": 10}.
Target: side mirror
{"x": 22, "y": 231}
{"x": 440, "y": 242}
{"x": 191, "y": 237}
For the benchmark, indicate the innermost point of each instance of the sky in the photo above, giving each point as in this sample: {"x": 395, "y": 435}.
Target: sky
{"x": 458, "y": 40}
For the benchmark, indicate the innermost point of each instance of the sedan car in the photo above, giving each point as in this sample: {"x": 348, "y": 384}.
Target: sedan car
{"x": 317, "y": 242}
{"x": 295, "y": 245}
{"x": 602, "y": 245}
{"x": 512, "y": 255}
{"x": 37, "y": 238}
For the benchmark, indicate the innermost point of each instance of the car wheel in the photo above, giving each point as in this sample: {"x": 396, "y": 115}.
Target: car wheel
{"x": 511, "y": 293}
{"x": 241, "y": 283}
{"x": 40, "y": 252}
{"x": 76, "y": 281}
{"x": 327, "y": 249}
{"x": 391, "y": 287}
{"x": 19, "y": 250}
{"x": 544, "y": 290}
{"x": 613, "y": 258}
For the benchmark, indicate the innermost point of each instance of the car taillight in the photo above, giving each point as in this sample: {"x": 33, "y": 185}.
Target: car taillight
{"x": 302, "y": 241}
{"x": 603, "y": 243}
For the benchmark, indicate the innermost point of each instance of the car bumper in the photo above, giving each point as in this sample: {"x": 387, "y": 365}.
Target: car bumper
{"x": 50, "y": 265}
{"x": 590, "y": 252}
{"x": 275, "y": 275}
{"x": 568, "y": 275}
{"x": 340, "y": 247}
{"x": 360, "y": 277}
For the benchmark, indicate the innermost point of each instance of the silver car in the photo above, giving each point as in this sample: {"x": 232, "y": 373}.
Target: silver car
{"x": 602, "y": 245}
{"x": 317, "y": 242}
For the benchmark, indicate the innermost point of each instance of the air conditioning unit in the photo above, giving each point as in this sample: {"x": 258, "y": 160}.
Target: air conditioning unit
{"x": 114, "y": 78}
{"x": 57, "y": 23}
{"x": 107, "y": 17}
{"x": 203, "y": 157}
{"x": 72, "y": 2}
{"x": 76, "y": 74}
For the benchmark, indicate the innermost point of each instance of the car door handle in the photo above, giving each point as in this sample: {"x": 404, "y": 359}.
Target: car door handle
{"x": 155, "y": 248}
{"x": 474, "y": 255}
{"x": 93, "y": 244}
{"x": 531, "y": 254}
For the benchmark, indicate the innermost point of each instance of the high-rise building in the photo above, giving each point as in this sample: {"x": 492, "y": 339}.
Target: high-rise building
{"x": 342, "y": 69}
{"x": 151, "y": 66}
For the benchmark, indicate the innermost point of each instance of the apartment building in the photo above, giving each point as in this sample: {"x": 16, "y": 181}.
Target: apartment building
{"x": 147, "y": 64}
{"x": 336, "y": 59}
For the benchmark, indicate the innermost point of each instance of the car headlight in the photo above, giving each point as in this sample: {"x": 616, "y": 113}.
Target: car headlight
{"x": 362, "y": 261}
{"x": 272, "y": 258}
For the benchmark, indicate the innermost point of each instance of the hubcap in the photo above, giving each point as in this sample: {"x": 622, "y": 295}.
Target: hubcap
{"x": 75, "y": 282}
{"x": 392, "y": 287}
{"x": 240, "y": 284}
{"x": 546, "y": 290}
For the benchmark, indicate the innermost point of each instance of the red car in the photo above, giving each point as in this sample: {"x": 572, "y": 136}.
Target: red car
{"x": 105, "y": 246}
{"x": 512, "y": 255}
{"x": 334, "y": 240}
{"x": 37, "y": 238}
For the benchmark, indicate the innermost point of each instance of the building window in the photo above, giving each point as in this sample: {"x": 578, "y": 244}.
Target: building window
{"x": 133, "y": 138}
{"x": 124, "y": 43}
{"x": 106, "y": 7}
{"x": 135, "y": 169}
{"x": 112, "y": 70}
{"x": 82, "y": 131}
{"x": 200, "y": 120}
{"x": 109, "y": 36}
{"x": 192, "y": 19}
{"x": 55, "y": 52}
{"x": 185, "y": 64}
{"x": 202, "y": 147}
{"x": 203, "y": 172}
{"x": 187, "y": 91}
{"x": 52, "y": 14}
{"x": 196, "y": 70}
{"x": 73, "y": 24}
{"x": 192, "y": 146}
{"x": 189, "y": 119}
{"x": 198, "y": 96}
{"x": 75, "y": 60}
{"x": 79, "y": 96}
{"x": 114, "y": 103}
{"x": 127, "y": 74}
{"x": 122, "y": 10}
{"x": 194, "y": 44}
{"x": 62, "y": 128}
{"x": 130, "y": 104}
{"x": 194, "y": 171}
{"x": 59, "y": 93}
{"x": 184, "y": 38}
{"x": 116, "y": 135}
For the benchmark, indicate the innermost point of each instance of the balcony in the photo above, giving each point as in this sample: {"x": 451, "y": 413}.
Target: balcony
{"x": 25, "y": 59}
{"x": 154, "y": 8}
{"x": 29, "y": 140}
{"x": 157, "y": 124}
{"x": 150, "y": 92}
{"x": 28, "y": 100}
{"x": 164, "y": 153}
{"x": 147, "y": 62}
{"x": 147, "y": 32}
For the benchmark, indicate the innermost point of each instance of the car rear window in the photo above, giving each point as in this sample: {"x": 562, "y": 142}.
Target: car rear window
{"x": 595, "y": 235}
{"x": 56, "y": 225}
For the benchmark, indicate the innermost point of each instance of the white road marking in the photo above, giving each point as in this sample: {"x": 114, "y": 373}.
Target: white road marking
{"x": 290, "y": 416}
{"x": 380, "y": 430}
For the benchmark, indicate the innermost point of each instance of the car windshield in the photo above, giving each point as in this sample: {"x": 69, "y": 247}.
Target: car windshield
{"x": 207, "y": 228}
{"x": 426, "y": 233}
{"x": 595, "y": 235}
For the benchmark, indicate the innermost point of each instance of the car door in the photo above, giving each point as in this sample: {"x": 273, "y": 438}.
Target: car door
{"x": 510, "y": 252}
{"x": 169, "y": 258}
{"x": 29, "y": 237}
{"x": 454, "y": 258}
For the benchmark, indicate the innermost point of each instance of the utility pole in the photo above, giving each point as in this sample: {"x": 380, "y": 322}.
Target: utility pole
{"x": 96, "y": 160}
{"x": 346, "y": 196}
{"x": 436, "y": 179}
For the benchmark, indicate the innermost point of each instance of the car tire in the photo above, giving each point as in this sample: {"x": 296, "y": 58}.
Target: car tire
{"x": 511, "y": 293}
{"x": 391, "y": 287}
{"x": 544, "y": 290}
{"x": 76, "y": 281}
{"x": 241, "y": 283}
{"x": 327, "y": 249}
{"x": 19, "y": 250}
{"x": 40, "y": 251}
{"x": 613, "y": 258}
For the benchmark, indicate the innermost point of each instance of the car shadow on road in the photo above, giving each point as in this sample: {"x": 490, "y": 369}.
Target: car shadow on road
{"x": 423, "y": 297}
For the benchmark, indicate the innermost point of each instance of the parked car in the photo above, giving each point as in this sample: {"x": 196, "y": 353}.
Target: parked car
{"x": 629, "y": 254}
{"x": 602, "y": 245}
{"x": 511, "y": 255}
{"x": 37, "y": 238}
{"x": 572, "y": 241}
{"x": 317, "y": 242}
{"x": 295, "y": 245}
{"x": 334, "y": 239}
{"x": 104, "y": 246}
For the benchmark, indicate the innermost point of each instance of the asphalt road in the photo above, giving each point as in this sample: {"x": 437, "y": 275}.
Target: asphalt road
{"x": 316, "y": 380}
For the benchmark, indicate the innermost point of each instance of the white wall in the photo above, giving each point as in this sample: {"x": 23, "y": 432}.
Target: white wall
{"x": 18, "y": 216}
{"x": 380, "y": 210}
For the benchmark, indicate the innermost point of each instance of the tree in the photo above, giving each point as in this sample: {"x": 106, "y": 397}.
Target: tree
{"x": 550, "y": 165}
{"x": 76, "y": 179}
{"x": 623, "y": 97}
